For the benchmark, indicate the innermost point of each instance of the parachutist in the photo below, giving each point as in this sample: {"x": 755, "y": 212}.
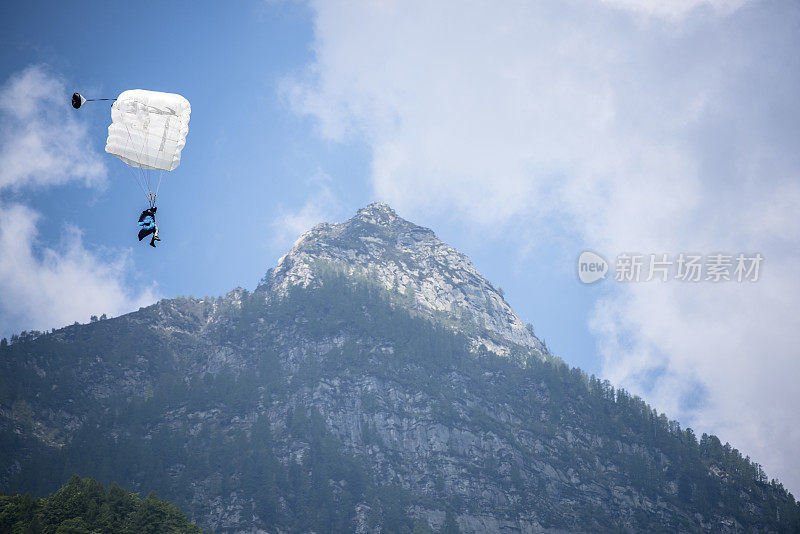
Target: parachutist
{"x": 147, "y": 222}
{"x": 147, "y": 133}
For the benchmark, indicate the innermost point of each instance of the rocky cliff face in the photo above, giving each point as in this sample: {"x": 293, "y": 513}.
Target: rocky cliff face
{"x": 373, "y": 382}
{"x": 410, "y": 260}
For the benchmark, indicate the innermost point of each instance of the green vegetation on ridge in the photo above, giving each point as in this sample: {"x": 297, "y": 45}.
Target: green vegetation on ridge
{"x": 84, "y": 506}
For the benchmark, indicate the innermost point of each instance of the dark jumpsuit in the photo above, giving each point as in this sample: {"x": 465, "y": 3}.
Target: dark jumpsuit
{"x": 147, "y": 222}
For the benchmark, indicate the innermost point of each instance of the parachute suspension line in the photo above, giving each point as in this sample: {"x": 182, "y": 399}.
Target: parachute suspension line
{"x": 160, "y": 177}
{"x": 143, "y": 172}
{"x": 147, "y": 186}
{"x": 151, "y": 196}
{"x": 137, "y": 179}
{"x": 161, "y": 150}
{"x": 146, "y": 173}
{"x": 136, "y": 175}
{"x": 148, "y": 160}
{"x": 140, "y": 175}
{"x": 78, "y": 100}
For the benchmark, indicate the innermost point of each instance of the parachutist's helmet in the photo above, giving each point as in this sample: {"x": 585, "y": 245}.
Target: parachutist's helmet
{"x": 77, "y": 100}
{"x": 154, "y": 209}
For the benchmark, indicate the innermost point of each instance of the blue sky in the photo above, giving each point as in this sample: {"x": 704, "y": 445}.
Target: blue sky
{"x": 522, "y": 133}
{"x": 246, "y": 154}
{"x": 248, "y": 158}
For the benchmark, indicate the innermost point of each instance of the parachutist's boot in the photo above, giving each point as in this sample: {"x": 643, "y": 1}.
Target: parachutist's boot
{"x": 153, "y": 243}
{"x": 157, "y": 238}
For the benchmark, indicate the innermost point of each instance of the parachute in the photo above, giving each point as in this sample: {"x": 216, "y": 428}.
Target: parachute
{"x": 147, "y": 132}
{"x": 77, "y": 100}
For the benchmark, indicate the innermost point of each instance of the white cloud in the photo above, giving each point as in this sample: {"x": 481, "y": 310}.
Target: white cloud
{"x": 43, "y": 287}
{"x": 671, "y": 132}
{"x": 43, "y": 143}
{"x": 675, "y": 9}
{"x": 321, "y": 205}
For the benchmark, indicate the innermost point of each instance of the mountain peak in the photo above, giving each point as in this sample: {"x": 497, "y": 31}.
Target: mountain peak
{"x": 408, "y": 260}
{"x": 377, "y": 213}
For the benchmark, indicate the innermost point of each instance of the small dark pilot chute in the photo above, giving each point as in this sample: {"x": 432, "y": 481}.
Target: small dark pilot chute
{"x": 77, "y": 100}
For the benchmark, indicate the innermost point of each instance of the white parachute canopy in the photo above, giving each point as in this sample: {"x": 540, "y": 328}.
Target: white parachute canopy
{"x": 148, "y": 131}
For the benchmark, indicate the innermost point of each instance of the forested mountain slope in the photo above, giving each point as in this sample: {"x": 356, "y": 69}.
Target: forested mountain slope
{"x": 373, "y": 381}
